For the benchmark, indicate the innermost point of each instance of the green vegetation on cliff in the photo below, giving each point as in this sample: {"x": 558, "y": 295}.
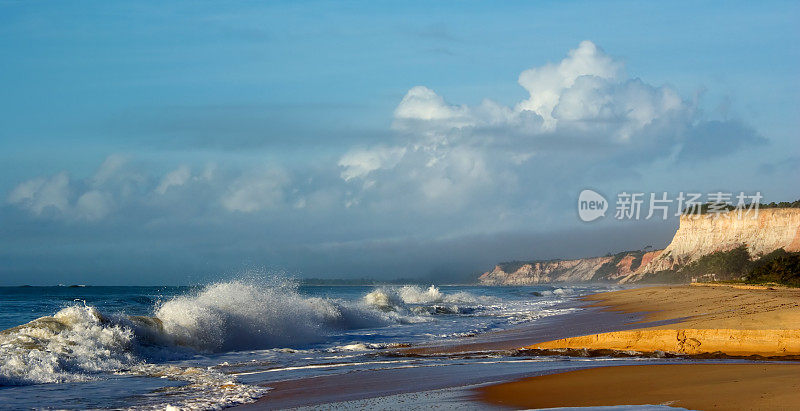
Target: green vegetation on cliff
{"x": 723, "y": 265}
{"x": 705, "y": 207}
{"x": 779, "y": 267}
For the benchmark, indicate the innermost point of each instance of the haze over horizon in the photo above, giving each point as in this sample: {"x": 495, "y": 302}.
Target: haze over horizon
{"x": 363, "y": 140}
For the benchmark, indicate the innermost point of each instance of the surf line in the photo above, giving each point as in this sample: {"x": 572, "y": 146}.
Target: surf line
{"x": 314, "y": 366}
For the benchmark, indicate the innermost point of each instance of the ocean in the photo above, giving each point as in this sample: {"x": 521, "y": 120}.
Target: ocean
{"x": 221, "y": 344}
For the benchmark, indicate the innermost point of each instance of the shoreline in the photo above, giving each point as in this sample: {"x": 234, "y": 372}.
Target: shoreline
{"x": 612, "y": 313}
{"x": 378, "y": 383}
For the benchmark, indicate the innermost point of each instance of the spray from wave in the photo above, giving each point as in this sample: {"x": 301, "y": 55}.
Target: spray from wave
{"x": 72, "y": 345}
{"x": 414, "y": 299}
{"x": 79, "y": 342}
{"x": 236, "y": 315}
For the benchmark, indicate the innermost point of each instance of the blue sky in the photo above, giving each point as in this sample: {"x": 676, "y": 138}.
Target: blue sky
{"x": 181, "y": 142}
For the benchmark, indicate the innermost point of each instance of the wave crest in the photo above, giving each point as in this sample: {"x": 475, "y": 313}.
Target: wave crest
{"x": 237, "y": 315}
{"x": 429, "y": 301}
{"x": 72, "y": 345}
{"x": 79, "y": 342}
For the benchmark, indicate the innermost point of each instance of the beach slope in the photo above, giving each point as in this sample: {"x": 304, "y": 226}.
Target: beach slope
{"x": 723, "y": 320}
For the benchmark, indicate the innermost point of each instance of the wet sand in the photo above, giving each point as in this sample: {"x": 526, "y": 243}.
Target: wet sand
{"x": 693, "y": 386}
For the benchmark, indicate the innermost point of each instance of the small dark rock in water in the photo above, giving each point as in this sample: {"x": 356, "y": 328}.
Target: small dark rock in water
{"x": 536, "y": 293}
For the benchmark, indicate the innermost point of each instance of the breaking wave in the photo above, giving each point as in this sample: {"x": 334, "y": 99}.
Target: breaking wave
{"x": 72, "y": 345}
{"x": 80, "y": 343}
{"x": 236, "y": 316}
{"x": 414, "y": 299}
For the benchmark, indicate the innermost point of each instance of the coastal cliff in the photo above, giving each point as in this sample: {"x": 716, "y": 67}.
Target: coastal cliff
{"x": 613, "y": 268}
{"x": 697, "y": 236}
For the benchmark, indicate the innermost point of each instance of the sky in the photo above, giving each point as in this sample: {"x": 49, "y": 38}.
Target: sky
{"x": 150, "y": 143}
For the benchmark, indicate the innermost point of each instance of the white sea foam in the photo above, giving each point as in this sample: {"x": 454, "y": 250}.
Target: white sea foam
{"x": 73, "y": 345}
{"x": 80, "y": 343}
{"x": 414, "y": 299}
{"x": 238, "y": 315}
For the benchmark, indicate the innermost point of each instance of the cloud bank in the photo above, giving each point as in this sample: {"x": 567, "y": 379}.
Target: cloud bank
{"x": 445, "y": 170}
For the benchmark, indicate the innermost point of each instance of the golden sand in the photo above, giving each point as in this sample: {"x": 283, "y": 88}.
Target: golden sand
{"x": 728, "y": 320}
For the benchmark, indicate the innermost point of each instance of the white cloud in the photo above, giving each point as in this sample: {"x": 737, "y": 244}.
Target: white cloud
{"x": 111, "y": 166}
{"x": 546, "y": 84}
{"x": 421, "y": 103}
{"x": 588, "y": 92}
{"x": 256, "y": 191}
{"x": 582, "y": 112}
{"x": 584, "y": 121}
{"x": 93, "y": 205}
{"x": 358, "y": 163}
{"x": 177, "y": 177}
{"x": 39, "y": 194}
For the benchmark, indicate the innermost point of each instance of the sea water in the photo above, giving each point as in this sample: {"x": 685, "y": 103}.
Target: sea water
{"x": 212, "y": 346}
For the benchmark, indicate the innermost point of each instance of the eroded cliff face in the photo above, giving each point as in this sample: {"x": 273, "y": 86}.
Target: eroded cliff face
{"x": 696, "y": 237}
{"x": 701, "y": 235}
{"x": 537, "y": 272}
{"x": 595, "y": 269}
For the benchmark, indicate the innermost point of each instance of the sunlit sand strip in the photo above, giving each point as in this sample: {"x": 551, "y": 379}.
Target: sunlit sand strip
{"x": 767, "y": 343}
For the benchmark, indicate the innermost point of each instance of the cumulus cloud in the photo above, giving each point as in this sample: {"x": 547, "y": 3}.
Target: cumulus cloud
{"x": 256, "y": 191}
{"x": 177, "y": 177}
{"x": 584, "y": 119}
{"x": 587, "y": 93}
{"x": 583, "y": 110}
{"x": 443, "y": 171}
{"x": 120, "y": 184}
{"x": 421, "y": 103}
{"x": 93, "y": 205}
{"x": 548, "y": 83}
{"x": 110, "y": 167}
{"x": 53, "y": 197}
{"x": 40, "y": 194}
{"x": 359, "y": 163}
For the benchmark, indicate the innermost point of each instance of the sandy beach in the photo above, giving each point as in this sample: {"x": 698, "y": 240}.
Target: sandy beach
{"x": 755, "y": 322}
{"x": 723, "y": 319}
